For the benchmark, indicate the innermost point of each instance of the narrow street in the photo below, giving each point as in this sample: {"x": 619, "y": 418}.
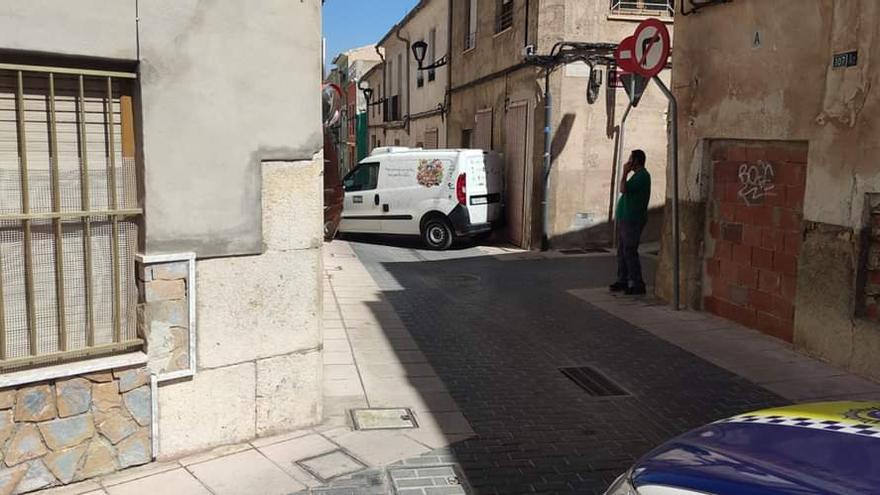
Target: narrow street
{"x": 496, "y": 325}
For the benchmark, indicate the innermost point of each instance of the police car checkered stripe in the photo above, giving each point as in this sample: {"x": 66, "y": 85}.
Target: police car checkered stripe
{"x": 812, "y": 423}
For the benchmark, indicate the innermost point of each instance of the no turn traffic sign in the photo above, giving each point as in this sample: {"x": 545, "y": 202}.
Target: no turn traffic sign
{"x": 652, "y": 46}
{"x": 625, "y": 55}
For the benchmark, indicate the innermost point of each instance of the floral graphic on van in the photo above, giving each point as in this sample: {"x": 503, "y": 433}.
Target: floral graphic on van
{"x": 430, "y": 173}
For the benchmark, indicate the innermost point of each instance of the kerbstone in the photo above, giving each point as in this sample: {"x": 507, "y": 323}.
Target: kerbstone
{"x": 288, "y": 392}
{"x": 132, "y": 379}
{"x": 116, "y": 427}
{"x": 68, "y": 432}
{"x": 135, "y": 450}
{"x": 74, "y": 396}
{"x": 25, "y": 445}
{"x": 35, "y": 403}
{"x": 139, "y": 405}
{"x": 64, "y": 464}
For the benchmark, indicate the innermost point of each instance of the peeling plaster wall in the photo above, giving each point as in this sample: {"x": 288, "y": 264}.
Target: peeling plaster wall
{"x": 756, "y": 70}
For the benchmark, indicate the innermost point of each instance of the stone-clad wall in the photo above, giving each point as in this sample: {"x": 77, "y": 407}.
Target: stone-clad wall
{"x": 71, "y": 429}
{"x": 165, "y": 315}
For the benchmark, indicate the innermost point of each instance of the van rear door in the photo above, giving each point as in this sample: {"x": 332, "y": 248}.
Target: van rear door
{"x": 483, "y": 187}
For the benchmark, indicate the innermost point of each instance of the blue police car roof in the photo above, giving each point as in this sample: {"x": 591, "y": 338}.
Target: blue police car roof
{"x": 825, "y": 448}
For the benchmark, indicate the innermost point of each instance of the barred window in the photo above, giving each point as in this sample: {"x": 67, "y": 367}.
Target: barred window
{"x": 503, "y": 15}
{"x": 68, "y": 208}
{"x": 663, "y": 8}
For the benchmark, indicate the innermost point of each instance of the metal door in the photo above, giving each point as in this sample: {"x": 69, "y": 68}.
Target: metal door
{"x": 516, "y": 158}
{"x": 483, "y": 130}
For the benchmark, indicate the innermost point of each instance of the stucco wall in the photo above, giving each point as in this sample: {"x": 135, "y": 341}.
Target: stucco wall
{"x": 96, "y": 28}
{"x": 584, "y": 152}
{"x": 745, "y": 70}
{"x": 204, "y": 66}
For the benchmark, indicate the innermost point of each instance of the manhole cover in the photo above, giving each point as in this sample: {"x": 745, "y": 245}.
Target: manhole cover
{"x": 383, "y": 419}
{"x": 593, "y": 382}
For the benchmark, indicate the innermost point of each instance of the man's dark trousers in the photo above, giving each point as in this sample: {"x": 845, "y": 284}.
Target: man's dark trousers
{"x": 629, "y": 268}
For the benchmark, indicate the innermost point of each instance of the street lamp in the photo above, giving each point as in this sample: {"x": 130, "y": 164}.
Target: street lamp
{"x": 368, "y": 95}
{"x": 419, "y": 50}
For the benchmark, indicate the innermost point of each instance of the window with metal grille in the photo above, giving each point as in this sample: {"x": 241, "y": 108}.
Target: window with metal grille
{"x": 68, "y": 208}
{"x": 662, "y": 8}
{"x": 503, "y": 15}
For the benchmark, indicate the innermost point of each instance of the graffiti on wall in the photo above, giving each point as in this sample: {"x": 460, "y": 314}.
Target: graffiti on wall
{"x": 756, "y": 181}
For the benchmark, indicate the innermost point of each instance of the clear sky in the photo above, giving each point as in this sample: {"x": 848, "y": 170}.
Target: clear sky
{"x": 353, "y": 23}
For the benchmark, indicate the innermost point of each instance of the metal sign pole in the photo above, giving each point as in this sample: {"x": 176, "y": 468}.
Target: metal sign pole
{"x": 676, "y": 234}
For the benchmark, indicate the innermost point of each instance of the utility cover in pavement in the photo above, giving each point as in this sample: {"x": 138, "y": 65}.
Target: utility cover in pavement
{"x": 595, "y": 383}
{"x": 383, "y": 419}
{"x": 433, "y": 479}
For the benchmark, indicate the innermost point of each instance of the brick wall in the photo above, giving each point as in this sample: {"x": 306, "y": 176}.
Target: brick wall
{"x": 755, "y": 231}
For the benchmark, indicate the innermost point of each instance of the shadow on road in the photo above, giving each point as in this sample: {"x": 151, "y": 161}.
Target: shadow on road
{"x": 496, "y": 330}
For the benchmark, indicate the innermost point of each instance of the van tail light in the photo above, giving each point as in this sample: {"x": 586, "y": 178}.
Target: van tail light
{"x": 461, "y": 189}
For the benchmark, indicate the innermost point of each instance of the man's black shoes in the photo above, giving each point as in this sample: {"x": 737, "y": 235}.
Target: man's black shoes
{"x": 635, "y": 291}
{"x": 618, "y": 287}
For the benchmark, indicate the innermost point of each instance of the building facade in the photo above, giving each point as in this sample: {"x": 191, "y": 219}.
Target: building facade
{"x": 414, "y": 107}
{"x": 351, "y": 132}
{"x": 155, "y": 298}
{"x": 778, "y": 172}
{"x": 497, "y": 102}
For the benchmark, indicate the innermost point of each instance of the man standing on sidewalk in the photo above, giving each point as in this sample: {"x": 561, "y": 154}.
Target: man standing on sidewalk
{"x": 632, "y": 214}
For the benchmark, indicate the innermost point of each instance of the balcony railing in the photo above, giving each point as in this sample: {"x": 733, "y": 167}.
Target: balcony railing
{"x": 658, "y": 8}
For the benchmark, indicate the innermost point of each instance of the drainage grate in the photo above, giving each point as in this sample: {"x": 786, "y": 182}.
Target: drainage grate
{"x": 583, "y": 251}
{"x": 383, "y": 419}
{"x": 595, "y": 383}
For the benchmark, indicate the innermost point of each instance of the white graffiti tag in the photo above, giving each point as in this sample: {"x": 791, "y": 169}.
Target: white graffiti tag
{"x": 756, "y": 181}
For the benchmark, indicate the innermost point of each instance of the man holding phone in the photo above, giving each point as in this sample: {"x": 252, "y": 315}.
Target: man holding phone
{"x": 632, "y": 214}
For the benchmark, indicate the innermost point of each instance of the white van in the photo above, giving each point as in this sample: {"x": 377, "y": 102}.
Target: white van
{"x": 436, "y": 194}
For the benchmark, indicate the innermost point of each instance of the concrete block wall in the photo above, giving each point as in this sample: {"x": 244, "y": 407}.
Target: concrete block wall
{"x": 259, "y": 335}
{"x": 755, "y": 230}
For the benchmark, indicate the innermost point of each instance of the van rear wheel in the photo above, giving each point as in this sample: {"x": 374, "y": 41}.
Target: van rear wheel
{"x": 437, "y": 233}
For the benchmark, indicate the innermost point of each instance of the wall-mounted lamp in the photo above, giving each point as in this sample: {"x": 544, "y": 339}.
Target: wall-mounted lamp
{"x": 368, "y": 95}
{"x": 420, "y": 49}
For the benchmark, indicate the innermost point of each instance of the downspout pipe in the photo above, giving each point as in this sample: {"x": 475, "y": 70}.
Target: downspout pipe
{"x": 618, "y": 173}
{"x": 408, "y": 68}
{"x": 548, "y": 130}
{"x": 384, "y": 90}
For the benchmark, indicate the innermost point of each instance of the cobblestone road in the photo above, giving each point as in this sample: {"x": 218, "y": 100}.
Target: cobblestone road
{"x": 496, "y": 330}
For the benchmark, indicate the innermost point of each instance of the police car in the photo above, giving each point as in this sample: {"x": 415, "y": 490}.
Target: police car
{"x": 822, "y": 448}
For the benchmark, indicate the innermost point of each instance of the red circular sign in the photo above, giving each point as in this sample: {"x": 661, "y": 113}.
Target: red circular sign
{"x": 651, "y": 47}
{"x": 625, "y": 55}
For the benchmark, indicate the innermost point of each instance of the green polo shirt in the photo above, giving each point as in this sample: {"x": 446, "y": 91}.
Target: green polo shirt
{"x": 633, "y": 204}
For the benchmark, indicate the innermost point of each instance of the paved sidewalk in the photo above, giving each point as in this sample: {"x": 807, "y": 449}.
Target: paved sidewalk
{"x": 470, "y": 341}
{"x": 761, "y": 359}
